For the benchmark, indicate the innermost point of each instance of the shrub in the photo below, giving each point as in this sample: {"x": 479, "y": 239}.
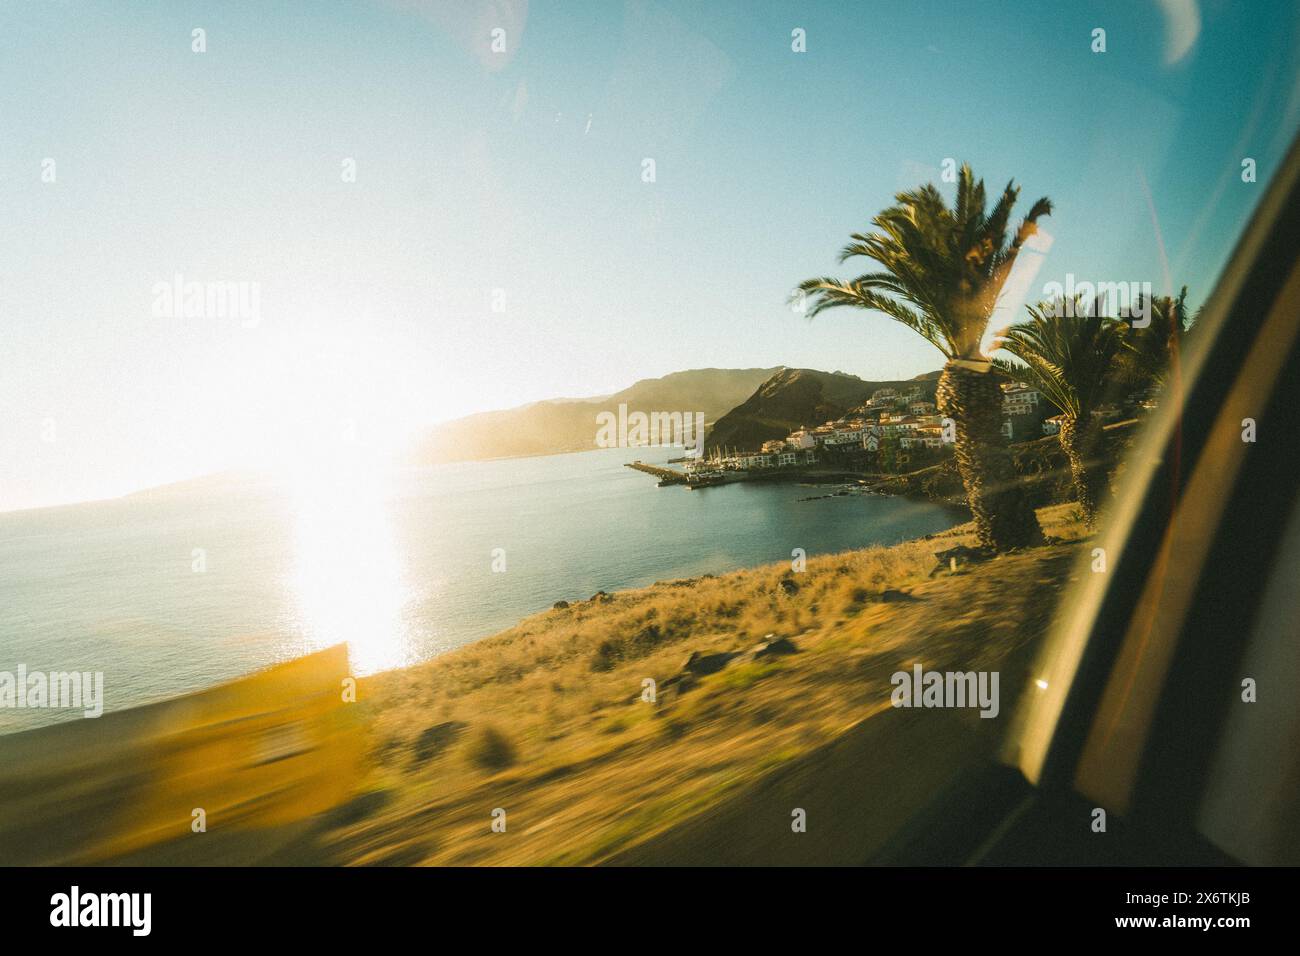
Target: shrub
{"x": 606, "y": 656}
{"x": 490, "y": 749}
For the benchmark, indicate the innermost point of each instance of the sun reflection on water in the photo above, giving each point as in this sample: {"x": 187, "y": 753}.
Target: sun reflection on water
{"x": 349, "y": 581}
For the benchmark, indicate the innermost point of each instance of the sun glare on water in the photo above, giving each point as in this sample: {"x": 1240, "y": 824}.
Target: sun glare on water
{"x": 349, "y": 582}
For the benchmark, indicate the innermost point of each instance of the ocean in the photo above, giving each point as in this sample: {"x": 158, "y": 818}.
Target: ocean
{"x": 178, "y": 589}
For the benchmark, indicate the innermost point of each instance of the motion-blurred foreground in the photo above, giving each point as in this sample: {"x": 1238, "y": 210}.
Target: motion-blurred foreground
{"x": 220, "y": 765}
{"x": 542, "y": 746}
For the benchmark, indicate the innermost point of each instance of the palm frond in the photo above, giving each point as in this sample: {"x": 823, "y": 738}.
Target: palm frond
{"x": 829, "y": 293}
{"x": 941, "y": 268}
{"x": 1068, "y": 351}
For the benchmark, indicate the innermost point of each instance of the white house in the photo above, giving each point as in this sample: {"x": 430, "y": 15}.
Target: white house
{"x": 1018, "y": 399}
{"x": 899, "y": 425}
{"x": 844, "y": 436}
{"x": 923, "y": 436}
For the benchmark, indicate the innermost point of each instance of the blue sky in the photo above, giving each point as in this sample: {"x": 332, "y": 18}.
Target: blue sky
{"x": 522, "y": 172}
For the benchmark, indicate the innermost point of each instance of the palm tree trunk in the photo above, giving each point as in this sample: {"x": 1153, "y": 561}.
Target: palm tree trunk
{"x": 1077, "y": 439}
{"x": 1004, "y": 518}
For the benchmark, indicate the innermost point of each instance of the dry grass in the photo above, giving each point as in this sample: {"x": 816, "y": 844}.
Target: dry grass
{"x": 546, "y": 721}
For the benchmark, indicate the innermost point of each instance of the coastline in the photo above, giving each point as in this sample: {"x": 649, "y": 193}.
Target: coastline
{"x": 755, "y": 671}
{"x": 641, "y": 724}
{"x": 1040, "y": 464}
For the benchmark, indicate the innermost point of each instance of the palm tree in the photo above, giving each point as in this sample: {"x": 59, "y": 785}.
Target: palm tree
{"x": 1069, "y": 351}
{"x": 1153, "y": 350}
{"x": 943, "y": 270}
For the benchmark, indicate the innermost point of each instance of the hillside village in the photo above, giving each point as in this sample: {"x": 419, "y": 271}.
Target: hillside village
{"x": 893, "y": 427}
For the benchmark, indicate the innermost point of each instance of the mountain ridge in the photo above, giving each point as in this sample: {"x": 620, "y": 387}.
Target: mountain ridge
{"x": 557, "y": 426}
{"x": 744, "y": 408}
{"x": 797, "y": 397}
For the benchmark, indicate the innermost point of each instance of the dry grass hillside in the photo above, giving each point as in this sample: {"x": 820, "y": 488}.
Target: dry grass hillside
{"x": 546, "y": 720}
